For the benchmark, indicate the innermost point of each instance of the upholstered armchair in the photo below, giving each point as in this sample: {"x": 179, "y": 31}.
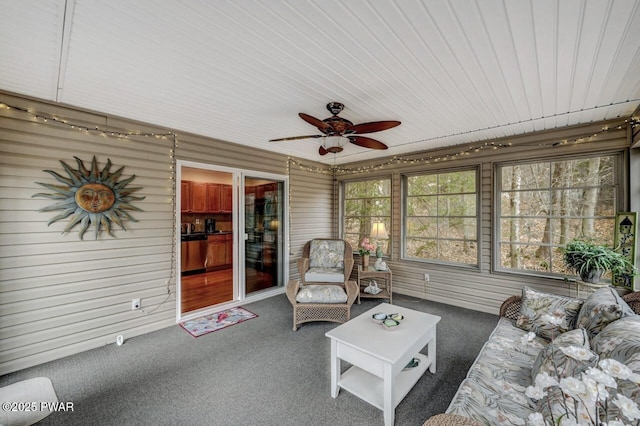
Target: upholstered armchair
{"x": 324, "y": 291}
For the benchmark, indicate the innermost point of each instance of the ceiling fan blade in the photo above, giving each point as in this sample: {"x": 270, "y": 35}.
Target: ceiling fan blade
{"x": 322, "y": 151}
{"x": 321, "y": 125}
{"x": 366, "y": 142}
{"x": 293, "y": 138}
{"x": 374, "y": 126}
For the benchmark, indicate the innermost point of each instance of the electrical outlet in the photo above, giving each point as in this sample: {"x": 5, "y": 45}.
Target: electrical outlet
{"x": 197, "y": 221}
{"x": 426, "y": 277}
{"x": 135, "y": 304}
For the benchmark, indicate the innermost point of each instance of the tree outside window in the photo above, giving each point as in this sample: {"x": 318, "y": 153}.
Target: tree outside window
{"x": 544, "y": 205}
{"x": 366, "y": 202}
{"x": 441, "y": 217}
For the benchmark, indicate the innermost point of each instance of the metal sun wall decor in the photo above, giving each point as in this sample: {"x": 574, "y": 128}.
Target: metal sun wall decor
{"x": 625, "y": 239}
{"x": 91, "y": 197}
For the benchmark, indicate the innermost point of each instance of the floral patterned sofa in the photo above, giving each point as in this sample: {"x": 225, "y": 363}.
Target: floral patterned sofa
{"x": 604, "y": 325}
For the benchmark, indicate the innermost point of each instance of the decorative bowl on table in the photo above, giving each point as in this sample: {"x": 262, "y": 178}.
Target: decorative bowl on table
{"x": 390, "y": 324}
{"x": 379, "y": 317}
{"x": 396, "y": 317}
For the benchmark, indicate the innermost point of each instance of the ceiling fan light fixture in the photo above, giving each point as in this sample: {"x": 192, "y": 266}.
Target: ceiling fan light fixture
{"x": 338, "y": 131}
{"x": 334, "y": 144}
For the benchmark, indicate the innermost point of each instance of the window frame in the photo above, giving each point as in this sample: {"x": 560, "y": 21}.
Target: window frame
{"x": 619, "y": 191}
{"x": 343, "y": 183}
{"x": 405, "y": 191}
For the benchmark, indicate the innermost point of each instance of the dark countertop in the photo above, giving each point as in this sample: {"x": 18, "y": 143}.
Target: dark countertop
{"x": 195, "y": 236}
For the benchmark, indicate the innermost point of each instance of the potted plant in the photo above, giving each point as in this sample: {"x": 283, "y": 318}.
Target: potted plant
{"x": 591, "y": 261}
{"x": 365, "y": 250}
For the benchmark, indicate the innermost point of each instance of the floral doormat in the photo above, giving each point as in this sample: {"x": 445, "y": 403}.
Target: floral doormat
{"x": 214, "y": 322}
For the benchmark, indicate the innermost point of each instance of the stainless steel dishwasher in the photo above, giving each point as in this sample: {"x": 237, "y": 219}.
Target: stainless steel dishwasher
{"x": 194, "y": 252}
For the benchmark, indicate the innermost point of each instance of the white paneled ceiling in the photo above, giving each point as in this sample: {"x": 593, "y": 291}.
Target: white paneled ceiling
{"x": 452, "y": 71}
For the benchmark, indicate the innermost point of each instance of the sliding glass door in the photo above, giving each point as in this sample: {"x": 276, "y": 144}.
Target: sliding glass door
{"x": 264, "y": 233}
{"x": 233, "y": 237}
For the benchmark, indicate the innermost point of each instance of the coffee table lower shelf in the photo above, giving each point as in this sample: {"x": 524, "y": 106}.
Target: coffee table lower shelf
{"x": 370, "y": 388}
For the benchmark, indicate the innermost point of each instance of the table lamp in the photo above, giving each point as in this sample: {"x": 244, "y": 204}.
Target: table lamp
{"x": 378, "y": 233}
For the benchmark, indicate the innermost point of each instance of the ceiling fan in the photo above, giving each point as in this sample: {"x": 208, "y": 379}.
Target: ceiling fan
{"x": 337, "y": 131}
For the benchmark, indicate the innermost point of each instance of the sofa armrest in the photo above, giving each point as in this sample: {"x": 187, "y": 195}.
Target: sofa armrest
{"x": 303, "y": 267}
{"x": 348, "y": 267}
{"x": 510, "y": 308}
{"x": 293, "y": 286}
{"x": 352, "y": 289}
{"x": 633, "y": 300}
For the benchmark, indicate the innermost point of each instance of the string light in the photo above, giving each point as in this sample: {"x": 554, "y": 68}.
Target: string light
{"x": 475, "y": 147}
{"x": 174, "y": 208}
{"x": 49, "y": 119}
{"x": 289, "y": 160}
{"x": 335, "y": 169}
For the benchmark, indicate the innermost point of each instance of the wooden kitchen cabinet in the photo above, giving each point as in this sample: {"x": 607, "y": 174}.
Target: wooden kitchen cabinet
{"x": 219, "y": 251}
{"x": 219, "y": 198}
{"x": 193, "y": 197}
{"x": 213, "y": 197}
{"x": 226, "y": 198}
{"x": 185, "y": 196}
{"x": 204, "y": 197}
{"x": 198, "y": 197}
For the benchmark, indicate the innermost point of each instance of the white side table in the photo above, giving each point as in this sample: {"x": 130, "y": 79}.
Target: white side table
{"x": 371, "y": 273}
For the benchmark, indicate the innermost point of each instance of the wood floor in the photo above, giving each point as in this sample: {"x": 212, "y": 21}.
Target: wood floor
{"x": 206, "y": 289}
{"x": 215, "y": 287}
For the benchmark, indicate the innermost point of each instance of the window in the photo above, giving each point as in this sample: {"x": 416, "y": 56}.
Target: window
{"x": 544, "y": 205}
{"x": 366, "y": 202}
{"x": 441, "y": 217}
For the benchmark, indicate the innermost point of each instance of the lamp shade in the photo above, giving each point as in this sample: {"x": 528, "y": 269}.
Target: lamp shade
{"x": 379, "y": 231}
{"x": 334, "y": 143}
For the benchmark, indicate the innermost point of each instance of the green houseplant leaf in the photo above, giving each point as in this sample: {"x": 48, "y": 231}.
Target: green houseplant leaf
{"x": 590, "y": 261}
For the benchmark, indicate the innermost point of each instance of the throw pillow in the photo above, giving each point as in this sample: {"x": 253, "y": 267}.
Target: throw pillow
{"x": 326, "y": 254}
{"x": 547, "y": 315}
{"x": 555, "y": 362}
{"x": 602, "y": 307}
{"x": 321, "y": 294}
{"x": 620, "y": 340}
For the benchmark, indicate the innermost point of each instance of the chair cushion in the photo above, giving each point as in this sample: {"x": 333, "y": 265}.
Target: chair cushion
{"x": 324, "y": 275}
{"x": 315, "y": 293}
{"x": 326, "y": 254}
{"x": 602, "y": 307}
{"x": 547, "y": 315}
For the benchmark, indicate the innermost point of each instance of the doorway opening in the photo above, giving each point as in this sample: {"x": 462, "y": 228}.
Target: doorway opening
{"x": 206, "y": 238}
{"x": 233, "y": 229}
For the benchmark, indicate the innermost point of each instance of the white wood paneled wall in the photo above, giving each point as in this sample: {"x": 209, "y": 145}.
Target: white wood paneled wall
{"x": 312, "y": 208}
{"x": 60, "y": 295}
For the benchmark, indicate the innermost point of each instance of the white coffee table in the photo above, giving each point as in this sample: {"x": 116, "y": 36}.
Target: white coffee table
{"x": 378, "y": 356}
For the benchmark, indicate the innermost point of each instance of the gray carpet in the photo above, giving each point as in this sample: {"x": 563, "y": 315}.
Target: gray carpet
{"x": 259, "y": 372}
